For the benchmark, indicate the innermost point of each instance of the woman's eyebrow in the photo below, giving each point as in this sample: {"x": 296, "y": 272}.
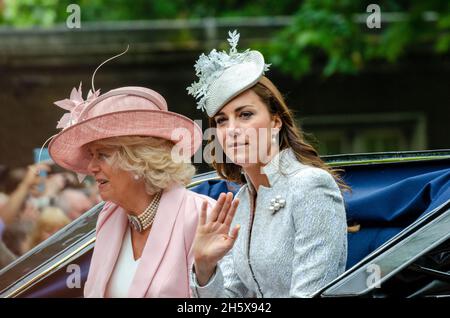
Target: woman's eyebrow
{"x": 238, "y": 109}
{"x": 242, "y": 107}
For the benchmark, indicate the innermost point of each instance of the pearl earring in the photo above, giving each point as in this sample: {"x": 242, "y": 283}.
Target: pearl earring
{"x": 136, "y": 177}
{"x": 274, "y": 139}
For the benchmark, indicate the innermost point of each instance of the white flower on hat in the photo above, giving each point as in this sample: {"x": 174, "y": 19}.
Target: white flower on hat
{"x": 209, "y": 68}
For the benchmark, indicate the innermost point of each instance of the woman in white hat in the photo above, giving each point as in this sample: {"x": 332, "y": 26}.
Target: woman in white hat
{"x": 289, "y": 214}
{"x": 139, "y": 154}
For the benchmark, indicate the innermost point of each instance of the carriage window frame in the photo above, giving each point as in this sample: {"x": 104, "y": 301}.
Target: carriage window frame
{"x": 392, "y": 260}
{"x": 366, "y": 133}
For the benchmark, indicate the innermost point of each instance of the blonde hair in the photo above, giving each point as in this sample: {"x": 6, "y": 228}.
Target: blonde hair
{"x": 50, "y": 220}
{"x": 150, "y": 158}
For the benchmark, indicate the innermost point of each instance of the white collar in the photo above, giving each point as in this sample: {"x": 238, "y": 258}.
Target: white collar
{"x": 283, "y": 163}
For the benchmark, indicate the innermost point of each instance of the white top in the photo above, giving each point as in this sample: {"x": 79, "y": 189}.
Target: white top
{"x": 124, "y": 271}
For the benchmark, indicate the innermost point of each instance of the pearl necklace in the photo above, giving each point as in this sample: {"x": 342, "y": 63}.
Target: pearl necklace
{"x": 145, "y": 219}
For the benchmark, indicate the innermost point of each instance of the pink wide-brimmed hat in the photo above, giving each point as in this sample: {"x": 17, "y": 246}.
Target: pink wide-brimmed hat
{"x": 125, "y": 111}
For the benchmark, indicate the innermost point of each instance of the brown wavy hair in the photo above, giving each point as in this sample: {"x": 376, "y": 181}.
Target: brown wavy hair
{"x": 290, "y": 136}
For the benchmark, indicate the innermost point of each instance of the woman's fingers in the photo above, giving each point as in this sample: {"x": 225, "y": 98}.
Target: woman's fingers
{"x": 225, "y": 207}
{"x": 217, "y": 208}
{"x": 231, "y": 212}
{"x": 41, "y": 167}
{"x": 202, "y": 219}
{"x": 222, "y": 214}
{"x": 234, "y": 232}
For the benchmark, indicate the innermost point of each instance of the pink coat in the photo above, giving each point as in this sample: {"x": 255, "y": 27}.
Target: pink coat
{"x": 163, "y": 270}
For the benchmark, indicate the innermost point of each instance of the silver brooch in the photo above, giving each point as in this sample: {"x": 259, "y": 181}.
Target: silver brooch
{"x": 277, "y": 204}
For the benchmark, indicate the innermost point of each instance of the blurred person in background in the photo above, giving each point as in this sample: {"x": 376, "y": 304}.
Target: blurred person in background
{"x": 17, "y": 213}
{"x": 3, "y": 199}
{"x": 25, "y": 185}
{"x": 6, "y": 256}
{"x": 73, "y": 202}
{"x": 27, "y": 193}
{"x": 51, "y": 220}
{"x": 17, "y": 236}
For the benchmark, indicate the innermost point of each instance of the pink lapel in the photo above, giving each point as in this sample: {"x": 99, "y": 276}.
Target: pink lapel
{"x": 108, "y": 245}
{"x": 157, "y": 241}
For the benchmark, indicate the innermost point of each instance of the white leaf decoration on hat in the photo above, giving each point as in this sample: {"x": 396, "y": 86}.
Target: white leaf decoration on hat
{"x": 75, "y": 105}
{"x": 210, "y": 67}
{"x": 233, "y": 40}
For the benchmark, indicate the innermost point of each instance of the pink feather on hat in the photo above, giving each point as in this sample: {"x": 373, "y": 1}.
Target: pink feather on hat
{"x": 125, "y": 111}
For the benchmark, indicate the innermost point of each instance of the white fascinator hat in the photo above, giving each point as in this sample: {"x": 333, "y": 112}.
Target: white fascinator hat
{"x": 222, "y": 76}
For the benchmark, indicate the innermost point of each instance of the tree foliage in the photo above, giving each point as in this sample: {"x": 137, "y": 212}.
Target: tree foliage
{"x": 21, "y": 13}
{"x": 324, "y": 34}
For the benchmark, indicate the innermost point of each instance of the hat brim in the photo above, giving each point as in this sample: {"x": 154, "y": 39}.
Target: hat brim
{"x": 67, "y": 150}
{"x": 233, "y": 81}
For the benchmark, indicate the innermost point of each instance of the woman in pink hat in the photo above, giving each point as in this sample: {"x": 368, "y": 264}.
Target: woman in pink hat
{"x": 138, "y": 152}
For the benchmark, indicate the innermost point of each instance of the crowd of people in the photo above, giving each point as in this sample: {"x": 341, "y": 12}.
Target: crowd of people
{"x": 34, "y": 205}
